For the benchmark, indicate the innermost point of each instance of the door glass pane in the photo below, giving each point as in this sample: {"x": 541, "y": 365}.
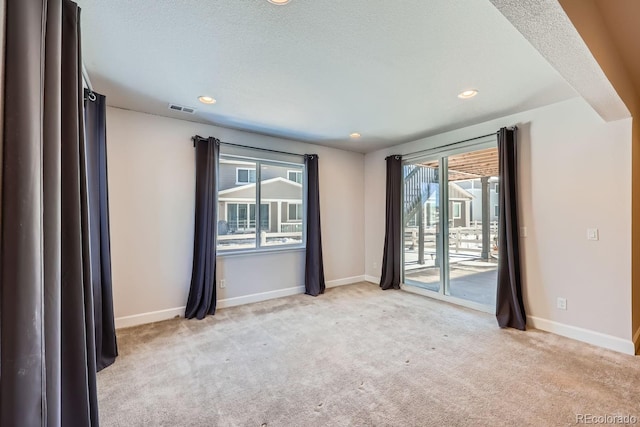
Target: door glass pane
{"x": 422, "y": 254}
{"x": 473, "y": 225}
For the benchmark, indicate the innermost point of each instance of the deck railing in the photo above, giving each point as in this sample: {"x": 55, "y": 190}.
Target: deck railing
{"x": 245, "y": 240}
{"x": 291, "y": 227}
{"x": 461, "y": 239}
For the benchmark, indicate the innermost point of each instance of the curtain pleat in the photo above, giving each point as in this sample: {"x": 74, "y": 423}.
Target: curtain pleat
{"x": 52, "y": 143}
{"x": 102, "y": 287}
{"x": 202, "y": 292}
{"x": 47, "y": 359}
{"x": 22, "y": 356}
{"x": 314, "y": 266}
{"x": 509, "y": 307}
{"x": 390, "y": 278}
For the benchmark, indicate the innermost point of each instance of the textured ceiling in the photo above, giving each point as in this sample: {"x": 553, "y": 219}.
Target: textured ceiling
{"x": 317, "y": 70}
{"x": 548, "y": 28}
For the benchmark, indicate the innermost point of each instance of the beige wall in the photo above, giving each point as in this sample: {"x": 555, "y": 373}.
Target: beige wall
{"x": 594, "y": 21}
{"x": 151, "y": 193}
{"x": 575, "y": 174}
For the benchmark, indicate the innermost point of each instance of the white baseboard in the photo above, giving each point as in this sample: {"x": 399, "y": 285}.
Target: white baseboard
{"x": 372, "y": 279}
{"x": 170, "y": 313}
{"x": 262, "y": 296}
{"x": 345, "y": 281}
{"x": 636, "y": 340}
{"x": 585, "y": 335}
{"x": 150, "y": 317}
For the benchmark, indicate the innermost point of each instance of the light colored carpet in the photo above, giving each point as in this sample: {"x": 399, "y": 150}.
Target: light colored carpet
{"x": 358, "y": 356}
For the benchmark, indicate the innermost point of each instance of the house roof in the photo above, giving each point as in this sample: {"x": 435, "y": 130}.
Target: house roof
{"x": 270, "y": 189}
{"x": 455, "y": 193}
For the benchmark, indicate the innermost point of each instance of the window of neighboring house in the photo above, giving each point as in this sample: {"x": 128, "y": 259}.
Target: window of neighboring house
{"x": 278, "y": 222}
{"x": 242, "y": 216}
{"x": 245, "y": 175}
{"x": 496, "y": 210}
{"x": 295, "y": 212}
{"x": 295, "y": 176}
{"x": 497, "y": 187}
{"x": 457, "y": 210}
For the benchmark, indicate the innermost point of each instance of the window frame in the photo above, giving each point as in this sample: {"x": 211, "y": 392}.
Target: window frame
{"x": 296, "y": 172}
{"x": 255, "y": 175}
{"x": 259, "y": 163}
{"x": 455, "y": 204}
{"x": 299, "y": 210}
{"x": 248, "y": 220}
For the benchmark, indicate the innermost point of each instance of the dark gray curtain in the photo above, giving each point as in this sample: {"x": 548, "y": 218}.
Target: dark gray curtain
{"x": 314, "y": 267}
{"x": 202, "y": 294}
{"x": 509, "y": 308}
{"x": 393, "y": 226}
{"x": 96, "y": 135}
{"x": 47, "y": 347}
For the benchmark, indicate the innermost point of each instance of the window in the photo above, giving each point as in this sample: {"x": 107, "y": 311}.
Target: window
{"x": 496, "y": 210}
{"x": 295, "y": 176}
{"x": 242, "y": 216}
{"x": 497, "y": 187}
{"x": 245, "y": 175}
{"x": 295, "y": 212}
{"x": 276, "y": 187}
{"x": 457, "y": 210}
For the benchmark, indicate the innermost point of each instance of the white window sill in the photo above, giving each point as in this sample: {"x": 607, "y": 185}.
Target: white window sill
{"x": 260, "y": 251}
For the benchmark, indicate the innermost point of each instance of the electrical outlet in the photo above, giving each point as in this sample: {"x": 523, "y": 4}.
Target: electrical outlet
{"x": 375, "y": 265}
{"x": 562, "y": 303}
{"x": 223, "y": 284}
{"x": 593, "y": 234}
{"x": 523, "y": 231}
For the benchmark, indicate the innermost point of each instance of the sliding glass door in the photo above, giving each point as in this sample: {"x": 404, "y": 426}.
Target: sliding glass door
{"x": 422, "y": 250}
{"x": 451, "y": 222}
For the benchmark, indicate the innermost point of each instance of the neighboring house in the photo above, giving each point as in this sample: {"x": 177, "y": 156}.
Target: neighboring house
{"x": 280, "y": 194}
{"x": 460, "y": 201}
{"x": 474, "y": 187}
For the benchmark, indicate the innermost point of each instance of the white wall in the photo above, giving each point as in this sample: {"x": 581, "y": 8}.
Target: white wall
{"x": 575, "y": 174}
{"x": 151, "y": 166}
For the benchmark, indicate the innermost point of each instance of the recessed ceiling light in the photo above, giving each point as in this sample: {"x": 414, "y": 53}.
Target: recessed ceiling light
{"x": 279, "y": 2}
{"x": 206, "y": 100}
{"x": 467, "y": 94}
{"x": 355, "y": 135}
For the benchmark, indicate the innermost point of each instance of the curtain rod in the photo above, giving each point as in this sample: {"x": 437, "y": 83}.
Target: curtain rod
{"x": 448, "y": 145}
{"x": 87, "y": 81}
{"x": 195, "y": 138}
